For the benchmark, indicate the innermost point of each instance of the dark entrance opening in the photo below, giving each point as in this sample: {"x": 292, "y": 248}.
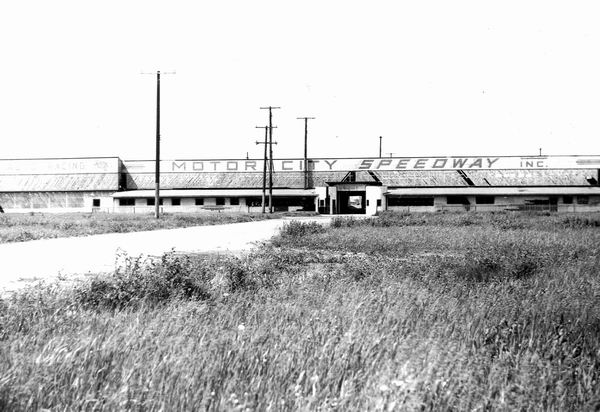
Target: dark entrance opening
{"x": 352, "y": 202}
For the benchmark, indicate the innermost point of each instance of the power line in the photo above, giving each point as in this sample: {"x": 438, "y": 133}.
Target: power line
{"x": 306, "y": 119}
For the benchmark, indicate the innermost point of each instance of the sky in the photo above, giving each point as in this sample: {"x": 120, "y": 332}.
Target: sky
{"x": 433, "y": 78}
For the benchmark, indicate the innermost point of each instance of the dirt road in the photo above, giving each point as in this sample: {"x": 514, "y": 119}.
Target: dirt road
{"x": 48, "y": 259}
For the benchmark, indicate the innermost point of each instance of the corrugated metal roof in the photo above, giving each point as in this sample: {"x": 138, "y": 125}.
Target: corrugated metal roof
{"x": 420, "y": 178}
{"x": 59, "y": 182}
{"x": 213, "y": 193}
{"x": 214, "y": 180}
{"x": 550, "y": 177}
{"x": 498, "y": 191}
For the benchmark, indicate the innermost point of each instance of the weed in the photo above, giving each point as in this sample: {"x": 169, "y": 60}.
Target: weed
{"x": 147, "y": 281}
{"x": 296, "y": 229}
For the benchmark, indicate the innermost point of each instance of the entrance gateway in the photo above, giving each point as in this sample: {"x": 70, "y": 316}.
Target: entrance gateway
{"x": 350, "y": 196}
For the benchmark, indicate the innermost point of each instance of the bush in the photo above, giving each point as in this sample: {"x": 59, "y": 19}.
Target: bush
{"x": 147, "y": 281}
{"x": 298, "y": 229}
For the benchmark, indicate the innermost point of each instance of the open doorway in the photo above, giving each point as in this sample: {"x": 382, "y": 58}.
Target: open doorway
{"x": 352, "y": 202}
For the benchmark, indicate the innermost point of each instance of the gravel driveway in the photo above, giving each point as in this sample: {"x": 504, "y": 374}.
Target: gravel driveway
{"x": 49, "y": 259}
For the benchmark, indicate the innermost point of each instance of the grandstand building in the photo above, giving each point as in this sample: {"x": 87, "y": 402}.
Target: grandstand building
{"x": 326, "y": 185}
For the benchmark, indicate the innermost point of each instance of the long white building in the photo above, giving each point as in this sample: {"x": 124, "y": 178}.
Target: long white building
{"x": 327, "y": 185}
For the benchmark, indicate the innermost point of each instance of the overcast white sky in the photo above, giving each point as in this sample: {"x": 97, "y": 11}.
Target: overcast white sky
{"x": 431, "y": 77}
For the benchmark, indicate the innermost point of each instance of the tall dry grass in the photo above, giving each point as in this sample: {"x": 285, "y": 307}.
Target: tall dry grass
{"x": 446, "y": 318}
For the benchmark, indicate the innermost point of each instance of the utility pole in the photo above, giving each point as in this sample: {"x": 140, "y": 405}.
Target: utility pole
{"x": 270, "y": 155}
{"x": 264, "y": 185}
{"x": 380, "y": 137}
{"x": 306, "y": 119}
{"x": 157, "y": 166}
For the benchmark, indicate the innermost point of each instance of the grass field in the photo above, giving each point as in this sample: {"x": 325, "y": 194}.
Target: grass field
{"x": 404, "y": 312}
{"x": 23, "y": 227}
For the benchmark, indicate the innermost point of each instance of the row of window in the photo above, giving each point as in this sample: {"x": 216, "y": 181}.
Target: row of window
{"x": 463, "y": 200}
{"x": 392, "y": 201}
{"x": 581, "y": 200}
{"x": 176, "y": 201}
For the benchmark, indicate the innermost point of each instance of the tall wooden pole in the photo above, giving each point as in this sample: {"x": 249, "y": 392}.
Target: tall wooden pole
{"x": 265, "y": 160}
{"x": 270, "y": 161}
{"x": 157, "y": 167}
{"x": 157, "y": 170}
{"x": 264, "y": 187}
{"x": 305, "y": 149}
{"x": 271, "y": 165}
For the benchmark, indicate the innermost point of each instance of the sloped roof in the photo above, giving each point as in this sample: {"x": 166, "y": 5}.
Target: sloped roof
{"x": 214, "y": 180}
{"x": 498, "y": 191}
{"x": 550, "y": 177}
{"x": 59, "y": 182}
{"x": 213, "y": 193}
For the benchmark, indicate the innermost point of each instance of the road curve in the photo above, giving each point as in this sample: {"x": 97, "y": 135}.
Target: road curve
{"x": 24, "y": 262}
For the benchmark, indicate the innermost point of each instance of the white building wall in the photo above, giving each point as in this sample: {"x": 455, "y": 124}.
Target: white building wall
{"x": 374, "y": 194}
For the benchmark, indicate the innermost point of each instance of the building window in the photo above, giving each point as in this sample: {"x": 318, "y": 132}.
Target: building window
{"x": 150, "y": 201}
{"x": 127, "y": 201}
{"x": 567, "y": 200}
{"x": 410, "y": 201}
{"x": 378, "y": 202}
{"x": 322, "y": 202}
{"x": 220, "y": 201}
{"x": 457, "y": 200}
{"x": 582, "y": 200}
{"x": 96, "y": 203}
{"x": 484, "y": 200}
{"x": 176, "y": 201}
{"x": 253, "y": 201}
{"x": 199, "y": 201}
{"x": 234, "y": 201}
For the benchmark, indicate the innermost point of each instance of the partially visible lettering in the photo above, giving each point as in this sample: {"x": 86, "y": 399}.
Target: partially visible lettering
{"x": 439, "y": 163}
{"x": 330, "y": 164}
{"x": 420, "y": 164}
{"x": 490, "y": 162}
{"x": 384, "y": 162}
{"x": 402, "y": 163}
{"x": 366, "y": 164}
{"x": 459, "y": 163}
{"x": 476, "y": 163}
{"x": 283, "y": 165}
{"x": 178, "y": 166}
